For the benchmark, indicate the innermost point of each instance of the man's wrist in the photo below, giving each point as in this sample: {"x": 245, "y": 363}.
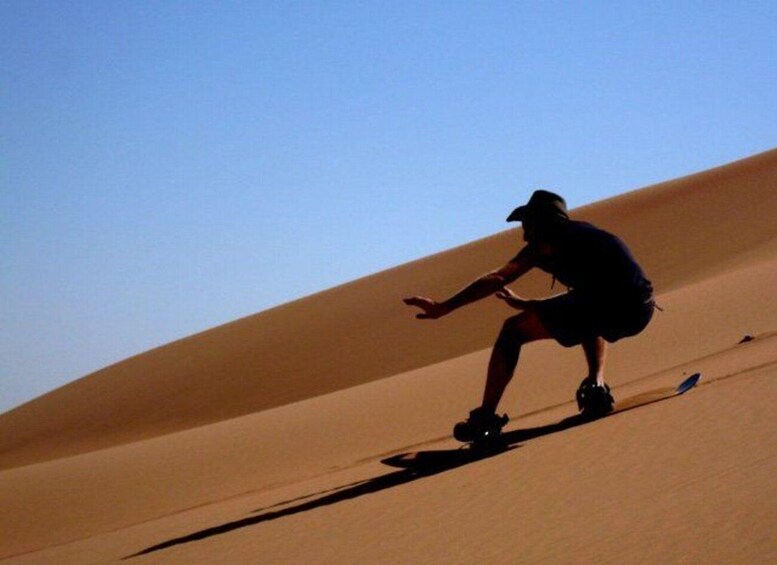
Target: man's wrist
{"x": 446, "y": 307}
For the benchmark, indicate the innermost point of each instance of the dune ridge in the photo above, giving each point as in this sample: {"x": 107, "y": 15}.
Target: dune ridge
{"x": 682, "y": 230}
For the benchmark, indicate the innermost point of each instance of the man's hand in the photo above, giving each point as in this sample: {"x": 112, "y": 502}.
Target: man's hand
{"x": 513, "y": 299}
{"x": 431, "y": 309}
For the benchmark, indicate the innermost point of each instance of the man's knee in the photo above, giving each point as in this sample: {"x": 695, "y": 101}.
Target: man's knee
{"x": 514, "y": 329}
{"x": 523, "y": 328}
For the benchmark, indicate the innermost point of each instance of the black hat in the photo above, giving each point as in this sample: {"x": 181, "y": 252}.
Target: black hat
{"x": 541, "y": 205}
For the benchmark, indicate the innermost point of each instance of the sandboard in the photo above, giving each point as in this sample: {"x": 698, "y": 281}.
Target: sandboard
{"x": 435, "y": 461}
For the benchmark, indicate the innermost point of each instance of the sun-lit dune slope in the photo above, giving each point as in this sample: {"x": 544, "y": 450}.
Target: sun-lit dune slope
{"x": 682, "y": 231}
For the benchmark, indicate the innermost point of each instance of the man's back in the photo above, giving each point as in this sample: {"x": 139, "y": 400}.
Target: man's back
{"x": 591, "y": 261}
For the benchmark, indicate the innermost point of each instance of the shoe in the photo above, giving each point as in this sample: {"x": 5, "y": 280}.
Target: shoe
{"x": 482, "y": 425}
{"x": 594, "y": 401}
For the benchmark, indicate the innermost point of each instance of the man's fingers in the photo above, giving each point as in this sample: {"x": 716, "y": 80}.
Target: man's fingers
{"x": 420, "y": 302}
{"x": 431, "y": 310}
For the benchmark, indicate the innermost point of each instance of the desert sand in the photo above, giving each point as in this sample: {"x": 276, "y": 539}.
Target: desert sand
{"x": 277, "y": 438}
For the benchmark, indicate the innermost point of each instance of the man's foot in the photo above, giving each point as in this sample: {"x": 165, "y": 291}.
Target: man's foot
{"x": 482, "y": 425}
{"x": 593, "y": 400}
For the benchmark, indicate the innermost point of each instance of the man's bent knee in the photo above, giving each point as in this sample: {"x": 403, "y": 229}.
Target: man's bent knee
{"x": 523, "y": 328}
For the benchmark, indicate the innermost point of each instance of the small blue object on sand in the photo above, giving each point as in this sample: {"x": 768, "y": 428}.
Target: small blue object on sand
{"x": 688, "y": 383}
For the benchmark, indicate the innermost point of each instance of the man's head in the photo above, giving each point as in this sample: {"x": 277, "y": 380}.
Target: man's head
{"x": 544, "y": 212}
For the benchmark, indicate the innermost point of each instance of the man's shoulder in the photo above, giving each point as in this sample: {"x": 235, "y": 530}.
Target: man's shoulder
{"x": 526, "y": 253}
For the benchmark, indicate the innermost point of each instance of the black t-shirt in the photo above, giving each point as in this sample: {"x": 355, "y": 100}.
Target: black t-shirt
{"x": 592, "y": 262}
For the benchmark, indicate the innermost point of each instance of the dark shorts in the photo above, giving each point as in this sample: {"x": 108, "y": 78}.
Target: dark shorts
{"x": 571, "y": 318}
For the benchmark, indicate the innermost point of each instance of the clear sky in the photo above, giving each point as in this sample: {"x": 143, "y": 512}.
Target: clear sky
{"x": 166, "y": 167}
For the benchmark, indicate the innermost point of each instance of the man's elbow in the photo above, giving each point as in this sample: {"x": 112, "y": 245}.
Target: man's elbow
{"x": 496, "y": 278}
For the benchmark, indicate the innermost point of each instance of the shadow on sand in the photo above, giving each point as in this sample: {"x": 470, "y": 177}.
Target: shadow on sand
{"x": 412, "y": 467}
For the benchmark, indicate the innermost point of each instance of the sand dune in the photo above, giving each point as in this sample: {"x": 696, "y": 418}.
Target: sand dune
{"x": 682, "y": 231}
{"x": 265, "y": 436}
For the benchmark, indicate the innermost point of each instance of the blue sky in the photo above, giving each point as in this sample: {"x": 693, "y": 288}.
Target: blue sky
{"x": 166, "y": 167}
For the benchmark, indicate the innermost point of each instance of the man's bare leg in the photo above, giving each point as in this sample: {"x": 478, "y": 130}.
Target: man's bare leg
{"x": 595, "y": 355}
{"x": 516, "y": 331}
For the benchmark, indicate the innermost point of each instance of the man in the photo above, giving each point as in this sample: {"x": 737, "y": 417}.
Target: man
{"x": 609, "y": 298}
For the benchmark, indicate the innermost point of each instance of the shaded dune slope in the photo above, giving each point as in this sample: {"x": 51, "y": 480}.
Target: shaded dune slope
{"x": 361, "y": 332}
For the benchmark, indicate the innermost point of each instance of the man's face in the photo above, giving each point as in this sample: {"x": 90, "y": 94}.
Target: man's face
{"x": 529, "y": 230}
{"x": 538, "y": 234}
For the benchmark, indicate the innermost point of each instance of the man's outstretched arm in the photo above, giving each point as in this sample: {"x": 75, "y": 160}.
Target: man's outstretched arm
{"x": 480, "y": 288}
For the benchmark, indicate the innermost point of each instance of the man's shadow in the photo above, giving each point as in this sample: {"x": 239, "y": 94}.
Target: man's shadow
{"x": 411, "y": 467}
{"x": 418, "y": 465}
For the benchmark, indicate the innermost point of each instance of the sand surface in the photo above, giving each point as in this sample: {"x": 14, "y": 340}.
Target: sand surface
{"x": 268, "y": 440}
